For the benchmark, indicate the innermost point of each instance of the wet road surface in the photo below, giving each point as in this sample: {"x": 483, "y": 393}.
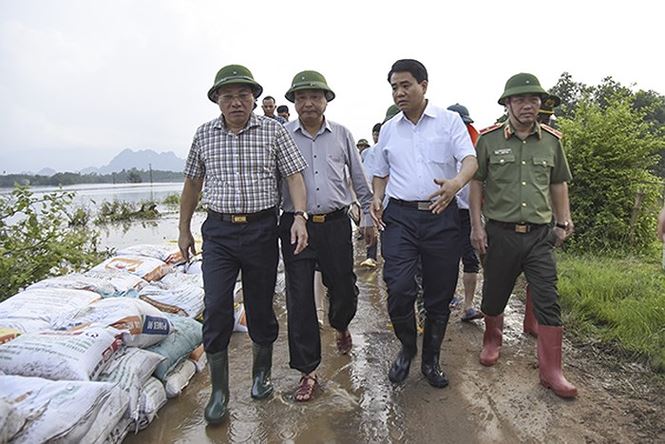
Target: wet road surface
{"x": 357, "y": 402}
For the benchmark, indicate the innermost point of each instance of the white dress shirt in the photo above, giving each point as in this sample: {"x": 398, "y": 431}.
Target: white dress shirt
{"x": 414, "y": 155}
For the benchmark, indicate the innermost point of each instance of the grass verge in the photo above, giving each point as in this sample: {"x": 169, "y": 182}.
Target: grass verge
{"x": 620, "y": 301}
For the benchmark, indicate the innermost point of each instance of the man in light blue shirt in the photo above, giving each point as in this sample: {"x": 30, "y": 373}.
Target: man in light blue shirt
{"x": 414, "y": 165}
{"x": 334, "y": 166}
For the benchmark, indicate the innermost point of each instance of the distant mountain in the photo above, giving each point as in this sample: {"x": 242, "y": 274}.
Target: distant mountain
{"x": 48, "y": 172}
{"x": 141, "y": 160}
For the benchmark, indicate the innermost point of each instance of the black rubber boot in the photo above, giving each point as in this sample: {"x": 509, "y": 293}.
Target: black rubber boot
{"x": 435, "y": 330}
{"x": 406, "y": 333}
{"x": 261, "y": 385}
{"x": 219, "y": 376}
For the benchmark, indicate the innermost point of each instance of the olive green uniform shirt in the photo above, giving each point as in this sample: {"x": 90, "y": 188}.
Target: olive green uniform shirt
{"x": 517, "y": 174}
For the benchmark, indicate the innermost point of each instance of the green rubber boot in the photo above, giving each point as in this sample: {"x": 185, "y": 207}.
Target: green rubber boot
{"x": 261, "y": 385}
{"x": 219, "y": 376}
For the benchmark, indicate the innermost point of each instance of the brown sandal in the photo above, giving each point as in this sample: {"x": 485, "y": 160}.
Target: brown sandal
{"x": 305, "y": 390}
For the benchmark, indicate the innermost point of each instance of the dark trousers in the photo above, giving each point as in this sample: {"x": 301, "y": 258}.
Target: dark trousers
{"x": 469, "y": 256}
{"x": 227, "y": 249}
{"x": 510, "y": 254}
{"x": 331, "y": 249}
{"x": 435, "y": 239}
{"x": 372, "y": 250}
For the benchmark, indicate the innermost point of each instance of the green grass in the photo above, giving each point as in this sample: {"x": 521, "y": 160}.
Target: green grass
{"x": 620, "y": 301}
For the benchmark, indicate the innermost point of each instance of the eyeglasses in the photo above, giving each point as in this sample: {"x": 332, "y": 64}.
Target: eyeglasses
{"x": 229, "y": 98}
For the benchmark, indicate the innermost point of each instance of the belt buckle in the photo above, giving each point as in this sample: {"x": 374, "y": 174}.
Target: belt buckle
{"x": 521, "y": 228}
{"x": 239, "y": 218}
{"x": 423, "y": 206}
{"x": 319, "y": 218}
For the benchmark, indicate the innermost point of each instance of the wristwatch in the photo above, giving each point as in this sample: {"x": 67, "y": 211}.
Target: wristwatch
{"x": 563, "y": 226}
{"x": 301, "y": 213}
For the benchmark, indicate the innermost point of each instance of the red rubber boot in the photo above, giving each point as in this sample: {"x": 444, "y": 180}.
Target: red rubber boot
{"x": 549, "y": 362}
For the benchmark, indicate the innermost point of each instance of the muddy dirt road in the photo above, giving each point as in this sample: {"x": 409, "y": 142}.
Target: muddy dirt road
{"x": 617, "y": 402}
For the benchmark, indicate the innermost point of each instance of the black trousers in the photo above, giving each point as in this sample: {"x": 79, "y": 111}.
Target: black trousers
{"x": 227, "y": 249}
{"x": 510, "y": 254}
{"x": 435, "y": 239}
{"x": 469, "y": 257}
{"x": 330, "y": 248}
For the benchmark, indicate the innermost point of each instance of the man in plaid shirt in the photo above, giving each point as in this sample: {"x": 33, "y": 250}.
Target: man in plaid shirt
{"x": 241, "y": 158}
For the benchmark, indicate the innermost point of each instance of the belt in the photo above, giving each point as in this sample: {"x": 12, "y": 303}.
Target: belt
{"x": 244, "y": 218}
{"x": 422, "y": 205}
{"x": 323, "y": 218}
{"x": 517, "y": 228}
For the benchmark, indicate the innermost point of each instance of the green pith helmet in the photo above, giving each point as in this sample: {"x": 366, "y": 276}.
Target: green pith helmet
{"x": 234, "y": 75}
{"x": 309, "y": 80}
{"x": 549, "y": 103}
{"x": 391, "y": 112}
{"x": 522, "y": 83}
{"x": 463, "y": 111}
{"x": 362, "y": 142}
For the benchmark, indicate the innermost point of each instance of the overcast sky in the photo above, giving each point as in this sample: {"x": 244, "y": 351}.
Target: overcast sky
{"x": 82, "y": 80}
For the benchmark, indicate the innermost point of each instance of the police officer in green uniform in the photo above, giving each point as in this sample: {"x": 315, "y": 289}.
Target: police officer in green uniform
{"x": 521, "y": 185}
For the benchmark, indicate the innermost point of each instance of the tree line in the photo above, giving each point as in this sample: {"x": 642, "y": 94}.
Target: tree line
{"x": 62, "y": 179}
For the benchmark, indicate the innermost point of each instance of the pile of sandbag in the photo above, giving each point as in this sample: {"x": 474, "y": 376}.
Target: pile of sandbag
{"x": 92, "y": 357}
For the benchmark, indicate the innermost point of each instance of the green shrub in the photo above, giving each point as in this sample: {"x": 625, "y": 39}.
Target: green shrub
{"x": 611, "y": 153}
{"x": 37, "y": 241}
{"x": 117, "y": 211}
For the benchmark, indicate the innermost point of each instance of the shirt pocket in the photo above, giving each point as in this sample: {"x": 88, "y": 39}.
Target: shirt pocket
{"x": 336, "y": 167}
{"x": 502, "y": 167}
{"x": 542, "y": 167}
{"x": 438, "y": 151}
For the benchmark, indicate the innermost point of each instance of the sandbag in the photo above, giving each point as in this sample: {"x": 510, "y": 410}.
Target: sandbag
{"x": 166, "y": 253}
{"x": 7, "y": 334}
{"x": 44, "y": 304}
{"x": 11, "y": 420}
{"x": 179, "y": 378}
{"x": 186, "y": 336}
{"x": 142, "y": 325}
{"x": 130, "y": 369}
{"x": 153, "y": 398}
{"x": 178, "y": 278}
{"x": 148, "y": 268}
{"x": 109, "y": 415}
{"x": 56, "y": 411}
{"x": 24, "y": 325}
{"x": 59, "y": 355}
{"x": 239, "y": 318}
{"x": 199, "y": 358}
{"x": 116, "y": 284}
{"x": 183, "y": 300}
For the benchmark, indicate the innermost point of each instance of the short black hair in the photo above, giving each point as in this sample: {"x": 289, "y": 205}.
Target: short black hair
{"x": 376, "y": 128}
{"x": 269, "y": 98}
{"x": 282, "y": 109}
{"x": 416, "y": 69}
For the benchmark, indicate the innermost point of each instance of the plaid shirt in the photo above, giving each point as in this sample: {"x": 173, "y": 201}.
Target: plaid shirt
{"x": 241, "y": 171}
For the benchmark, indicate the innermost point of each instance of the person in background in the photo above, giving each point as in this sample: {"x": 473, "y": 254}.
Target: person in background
{"x": 240, "y": 232}
{"x": 330, "y": 152}
{"x": 546, "y": 112}
{"x": 371, "y": 252}
{"x": 283, "y": 112}
{"x": 414, "y": 166}
{"x": 470, "y": 259}
{"x": 520, "y": 186}
{"x": 268, "y": 105}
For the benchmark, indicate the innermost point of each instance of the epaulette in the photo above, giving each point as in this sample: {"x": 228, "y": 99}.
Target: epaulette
{"x": 552, "y": 131}
{"x": 491, "y": 128}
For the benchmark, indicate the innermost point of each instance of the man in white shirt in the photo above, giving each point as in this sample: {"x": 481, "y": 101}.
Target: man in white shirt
{"x": 414, "y": 164}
